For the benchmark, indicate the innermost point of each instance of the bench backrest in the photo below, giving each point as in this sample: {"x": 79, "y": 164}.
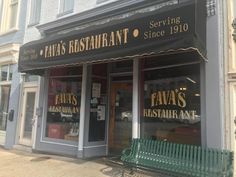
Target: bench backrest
{"x": 208, "y": 160}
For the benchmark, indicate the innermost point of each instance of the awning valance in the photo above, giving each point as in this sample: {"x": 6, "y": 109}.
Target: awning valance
{"x": 175, "y": 28}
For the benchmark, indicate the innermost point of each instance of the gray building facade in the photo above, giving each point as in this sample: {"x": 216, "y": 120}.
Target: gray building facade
{"x": 96, "y": 103}
{"x": 12, "y": 27}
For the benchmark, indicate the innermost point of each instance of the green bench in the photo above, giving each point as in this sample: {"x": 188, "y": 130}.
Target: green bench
{"x": 178, "y": 159}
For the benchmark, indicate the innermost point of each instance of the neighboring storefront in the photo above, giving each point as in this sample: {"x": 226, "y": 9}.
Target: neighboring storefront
{"x": 139, "y": 77}
{"x": 5, "y": 89}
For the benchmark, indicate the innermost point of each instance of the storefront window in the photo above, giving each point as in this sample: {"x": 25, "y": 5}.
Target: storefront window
{"x": 64, "y": 95}
{"x": 98, "y": 103}
{"x": 170, "y": 104}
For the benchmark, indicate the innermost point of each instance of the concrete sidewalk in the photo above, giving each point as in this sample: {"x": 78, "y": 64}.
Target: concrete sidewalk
{"x": 15, "y": 163}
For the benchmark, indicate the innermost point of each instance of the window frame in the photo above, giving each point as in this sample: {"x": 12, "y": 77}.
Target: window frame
{"x": 190, "y": 124}
{"x": 62, "y": 11}
{"x": 35, "y": 12}
{"x": 43, "y": 135}
{"x": 8, "y": 80}
{"x": 5, "y": 16}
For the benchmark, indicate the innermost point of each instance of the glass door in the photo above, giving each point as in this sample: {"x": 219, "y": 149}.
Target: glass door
{"x": 120, "y": 122}
{"x": 4, "y": 102}
{"x": 4, "y": 93}
{"x": 27, "y": 116}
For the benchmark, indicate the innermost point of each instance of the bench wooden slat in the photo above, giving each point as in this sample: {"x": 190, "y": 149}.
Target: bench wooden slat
{"x": 195, "y": 167}
{"x": 208, "y": 157}
{"x": 216, "y": 161}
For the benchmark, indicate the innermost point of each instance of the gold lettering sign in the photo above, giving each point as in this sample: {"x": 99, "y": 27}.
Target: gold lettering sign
{"x": 63, "y": 109}
{"x": 166, "y": 27}
{"x": 153, "y": 29}
{"x": 87, "y": 43}
{"x": 66, "y": 98}
{"x": 55, "y": 50}
{"x": 170, "y": 114}
{"x": 169, "y": 97}
{"x": 174, "y": 98}
{"x": 65, "y": 103}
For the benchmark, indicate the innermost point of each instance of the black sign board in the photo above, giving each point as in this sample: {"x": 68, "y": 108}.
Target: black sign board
{"x": 170, "y": 29}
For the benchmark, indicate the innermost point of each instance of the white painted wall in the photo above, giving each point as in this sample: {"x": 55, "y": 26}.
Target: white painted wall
{"x": 49, "y": 13}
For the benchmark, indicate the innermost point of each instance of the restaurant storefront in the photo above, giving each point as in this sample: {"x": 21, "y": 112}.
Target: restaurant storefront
{"x": 137, "y": 77}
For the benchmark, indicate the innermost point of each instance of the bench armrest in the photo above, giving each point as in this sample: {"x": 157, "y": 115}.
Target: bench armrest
{"x": 126, "y": 152}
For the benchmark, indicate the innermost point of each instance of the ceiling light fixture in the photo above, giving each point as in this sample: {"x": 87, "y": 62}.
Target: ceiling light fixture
{"x": 191, "y": 80}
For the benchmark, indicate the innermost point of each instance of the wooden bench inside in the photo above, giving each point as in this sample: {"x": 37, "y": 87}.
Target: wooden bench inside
{"x": 178, "y": 159}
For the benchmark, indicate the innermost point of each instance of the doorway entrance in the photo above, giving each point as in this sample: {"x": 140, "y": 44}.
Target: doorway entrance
{"x": 120, "y": 122}
{"x": 4, "y": 103}
{"x": 28, "y": 116}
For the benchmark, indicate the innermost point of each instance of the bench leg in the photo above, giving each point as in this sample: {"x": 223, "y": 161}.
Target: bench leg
{"x": 123, "y": 173}
{"x": 130, "y": 169}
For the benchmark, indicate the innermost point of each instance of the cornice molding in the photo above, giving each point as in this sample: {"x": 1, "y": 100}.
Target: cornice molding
{"x": 9, "y": 49}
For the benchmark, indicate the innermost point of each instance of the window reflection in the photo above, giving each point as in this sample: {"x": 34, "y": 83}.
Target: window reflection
{"x": 63, "y": 114}
{"x": 171, "y": 104}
